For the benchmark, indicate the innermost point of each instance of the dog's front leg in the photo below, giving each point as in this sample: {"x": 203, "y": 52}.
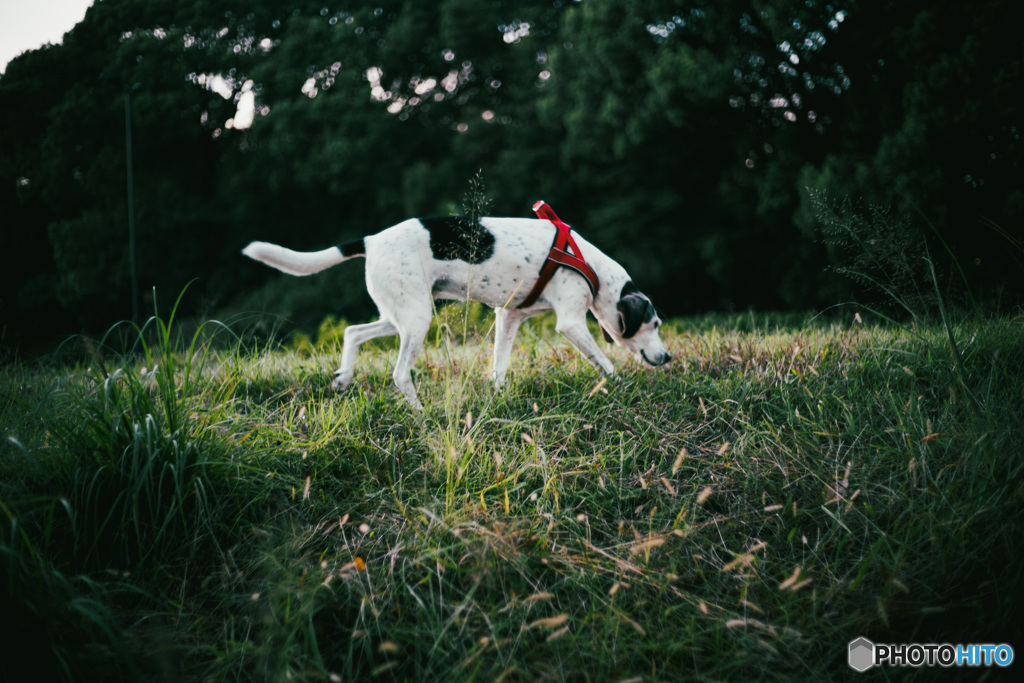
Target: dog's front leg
{"x": 506, "y": 325}
{"x": 575, "y": 330}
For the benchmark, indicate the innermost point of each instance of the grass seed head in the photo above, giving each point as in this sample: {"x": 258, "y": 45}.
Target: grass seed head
{"x": 679, "y": 460}
{"x": 547, "y": 622}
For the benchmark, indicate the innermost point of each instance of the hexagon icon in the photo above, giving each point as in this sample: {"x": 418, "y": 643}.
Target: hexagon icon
{"x": 862, "y": 654}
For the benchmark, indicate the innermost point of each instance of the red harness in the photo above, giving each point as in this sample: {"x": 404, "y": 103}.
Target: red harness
{"x": 560, "y": 256}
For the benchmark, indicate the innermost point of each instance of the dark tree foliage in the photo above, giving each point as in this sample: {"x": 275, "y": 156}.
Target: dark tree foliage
{"x": 681, "y": 136}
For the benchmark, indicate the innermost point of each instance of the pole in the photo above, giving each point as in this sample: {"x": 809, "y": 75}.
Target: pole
{"x": 131, "y": 203}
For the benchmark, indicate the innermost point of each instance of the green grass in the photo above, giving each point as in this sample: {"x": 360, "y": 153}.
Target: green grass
{"x": 785, "y": 486}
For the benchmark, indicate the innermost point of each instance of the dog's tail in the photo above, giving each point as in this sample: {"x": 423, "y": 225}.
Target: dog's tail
{"x": 302, "y": 262}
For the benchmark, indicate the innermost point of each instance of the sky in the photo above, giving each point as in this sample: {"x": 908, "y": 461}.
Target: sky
{"x": 30, "y": 24}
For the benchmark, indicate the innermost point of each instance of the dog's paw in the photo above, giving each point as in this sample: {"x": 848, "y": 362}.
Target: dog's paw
{"x": 341, "y": 383}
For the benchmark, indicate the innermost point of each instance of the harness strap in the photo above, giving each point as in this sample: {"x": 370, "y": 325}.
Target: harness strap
{"x": 560, "y": 256}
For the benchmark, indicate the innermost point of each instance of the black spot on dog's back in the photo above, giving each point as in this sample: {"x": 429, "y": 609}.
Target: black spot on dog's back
{"x": 457, "y": 238}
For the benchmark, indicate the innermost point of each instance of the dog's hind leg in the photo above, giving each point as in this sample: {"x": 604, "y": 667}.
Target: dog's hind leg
{"x": 506, "y": 325}
{"x": 355, "y": 336}
{"x": 412, "y": 332}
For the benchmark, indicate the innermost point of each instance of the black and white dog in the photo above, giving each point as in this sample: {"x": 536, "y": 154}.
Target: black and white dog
{"x": 495, "y": 261}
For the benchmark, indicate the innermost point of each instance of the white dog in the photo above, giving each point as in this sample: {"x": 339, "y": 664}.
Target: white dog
{"x": 495, "y": 261}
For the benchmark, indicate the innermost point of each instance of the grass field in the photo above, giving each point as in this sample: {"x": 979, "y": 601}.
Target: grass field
{"x": 195, "y": 511}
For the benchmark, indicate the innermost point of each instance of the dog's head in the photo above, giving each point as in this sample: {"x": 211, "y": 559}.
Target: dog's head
{"x": 637, "y": 327}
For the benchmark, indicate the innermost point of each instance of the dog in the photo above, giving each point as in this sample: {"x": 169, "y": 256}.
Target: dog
{"x": 495, "y": 261}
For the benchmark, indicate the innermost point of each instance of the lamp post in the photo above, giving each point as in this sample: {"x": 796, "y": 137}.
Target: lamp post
{"x": 131, "y": 198}
{"x": 132, "y": 260}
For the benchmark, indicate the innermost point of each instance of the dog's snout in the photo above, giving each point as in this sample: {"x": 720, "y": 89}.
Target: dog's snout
{"x": 659, "y": 359}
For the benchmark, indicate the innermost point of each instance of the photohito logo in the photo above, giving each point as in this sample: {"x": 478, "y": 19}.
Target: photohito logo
{"x": 862, "y": 654}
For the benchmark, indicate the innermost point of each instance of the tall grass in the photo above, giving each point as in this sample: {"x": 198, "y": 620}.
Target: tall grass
{"x": 54, "y": 618}
{"x": 139, "y": 464}
{"x": 128, "y": 475}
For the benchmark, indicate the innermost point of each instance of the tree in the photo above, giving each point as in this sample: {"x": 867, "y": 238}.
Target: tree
{"x": 681, "y": 136}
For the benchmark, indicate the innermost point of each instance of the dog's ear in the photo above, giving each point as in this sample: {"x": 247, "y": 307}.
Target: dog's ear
{"x": 634, "y": 311}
